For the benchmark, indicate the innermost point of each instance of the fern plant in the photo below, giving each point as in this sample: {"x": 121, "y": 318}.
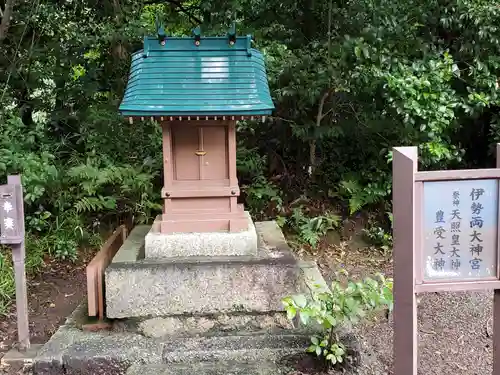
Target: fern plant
{"x": 93, "y": 204}
{"x": 114, "y": 189}
{"x": 311, "y": 229}
{"x": 360, "y": 195}
{"x": 7, "y": 286}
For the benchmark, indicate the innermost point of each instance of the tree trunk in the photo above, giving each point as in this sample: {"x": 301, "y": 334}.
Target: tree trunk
{"x": 7, "y": 14}
{"x": 312, "y": 142}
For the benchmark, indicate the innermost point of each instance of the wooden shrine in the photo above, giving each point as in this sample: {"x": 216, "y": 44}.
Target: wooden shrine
{"x": 197, "y": 88}
{"x": 200, "y": 185}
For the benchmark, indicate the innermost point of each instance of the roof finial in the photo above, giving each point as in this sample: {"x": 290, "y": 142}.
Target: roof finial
{"x": 197, "y": 35}
{"x": 232, "y": 34}
{"x": 160, "y": 30}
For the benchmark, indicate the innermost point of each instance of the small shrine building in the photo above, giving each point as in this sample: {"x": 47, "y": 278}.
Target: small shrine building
{"x": 197, "y": 88}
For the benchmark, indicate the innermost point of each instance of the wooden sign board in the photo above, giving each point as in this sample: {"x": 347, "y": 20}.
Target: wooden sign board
{"x": 446, "y": 238}
{"x": 460, "y": 230}
{"x": 12, "y": 234}
{"x": 10, "y": 215}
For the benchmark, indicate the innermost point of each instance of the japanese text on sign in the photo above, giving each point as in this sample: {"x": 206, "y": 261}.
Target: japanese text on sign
{"x": 460, "y": 229}
{"x": 9, "y": 228}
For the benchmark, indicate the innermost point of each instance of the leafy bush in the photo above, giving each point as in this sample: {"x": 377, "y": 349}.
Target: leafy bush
{"x": 378, "y": 235}
{"x": 34, "y": 261}
{"x": 310, "y": 230}
{"x": 338, "y": 307}
{"x": 68, "y": 195}
{"x": 262, "y": 198}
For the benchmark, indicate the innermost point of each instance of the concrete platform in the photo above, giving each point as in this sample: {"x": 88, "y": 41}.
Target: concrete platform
{"x": 160, "y": 245}
{"x": 139, "y": 287}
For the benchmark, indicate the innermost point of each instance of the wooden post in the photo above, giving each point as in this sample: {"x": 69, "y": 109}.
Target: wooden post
{"x": 404, "y": 167}
{"x": 496, "y": 304}
{"x": 18, "y": 258}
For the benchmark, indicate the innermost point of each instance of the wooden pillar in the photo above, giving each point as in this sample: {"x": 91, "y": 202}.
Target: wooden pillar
{"x": 18, "y": 258}
{"x": 496, "y": 304}
{"x": 167, "y": 160}
{"x": 233, "y": 179}
{"x": 404, "y": 167}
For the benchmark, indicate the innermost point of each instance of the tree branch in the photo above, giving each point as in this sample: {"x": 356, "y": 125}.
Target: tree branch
{"x": 192, "y": 17}
{"x": 7, "y": 14}
{"x": 178, "y": 4}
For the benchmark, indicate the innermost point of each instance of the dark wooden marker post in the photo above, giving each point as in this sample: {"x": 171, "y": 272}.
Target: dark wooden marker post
{"x": 12, "y": 234}
{"x": 446, "y": 238}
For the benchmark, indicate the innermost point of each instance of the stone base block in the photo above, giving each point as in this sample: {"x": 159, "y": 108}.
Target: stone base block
{"x": 161, "y": 245}
{"x": 140, "y": 287}
{"x": 199, "y": 285}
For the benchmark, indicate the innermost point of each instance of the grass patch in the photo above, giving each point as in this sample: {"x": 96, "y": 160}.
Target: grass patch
{"x": 7, "y": 286}
{"x": 33, "y": 262}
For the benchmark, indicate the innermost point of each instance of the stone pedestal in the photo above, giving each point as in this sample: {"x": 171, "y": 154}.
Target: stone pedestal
{"x": 206, "y": 274}
{"x": 178, "y": 315}
{"x": 223, "y": 243}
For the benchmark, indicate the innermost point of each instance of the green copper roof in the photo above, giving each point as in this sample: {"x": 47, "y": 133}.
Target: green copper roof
{"x": 181, "y": 78}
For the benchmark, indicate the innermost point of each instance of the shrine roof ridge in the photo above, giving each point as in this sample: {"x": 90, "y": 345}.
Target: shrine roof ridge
{"x": 216, "y": 43}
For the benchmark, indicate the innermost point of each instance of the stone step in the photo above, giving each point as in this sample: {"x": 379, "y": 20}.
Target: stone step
{"x": 207, "y": 368}
{"x": 221, "y": 325}
{"x": 75, "y": 352}
{"x": 237, "y": 348}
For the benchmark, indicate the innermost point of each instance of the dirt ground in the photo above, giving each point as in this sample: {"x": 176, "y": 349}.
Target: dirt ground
{"x": 52, "y": 296}
{"x": 455, "y": 329}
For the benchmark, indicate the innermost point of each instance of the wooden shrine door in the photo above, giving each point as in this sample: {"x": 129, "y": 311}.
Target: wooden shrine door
{"x": 200, "y": 153}
{"x": 201, "y": 189}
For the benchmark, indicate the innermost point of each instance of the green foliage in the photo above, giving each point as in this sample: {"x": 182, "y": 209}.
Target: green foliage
{"x": 379, "y": 236}
{"x": 310, "y": 230}
{"x": 7, "y": 286}
{"x": 95, "y": 187}
{"x": 33, "y": 262}
{"x": 339, "y": 306}
{"x": 68, "y": 195}
{"x": 363, "y": 195}
{"x": 350, "y": 80}
{"x": 261, "y": 195}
